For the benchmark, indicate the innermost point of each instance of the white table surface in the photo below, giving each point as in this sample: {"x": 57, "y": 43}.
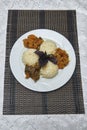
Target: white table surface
{"x": 48, "y": 122}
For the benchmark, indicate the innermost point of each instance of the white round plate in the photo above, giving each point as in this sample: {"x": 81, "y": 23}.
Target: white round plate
{"x": 43, "y": 84}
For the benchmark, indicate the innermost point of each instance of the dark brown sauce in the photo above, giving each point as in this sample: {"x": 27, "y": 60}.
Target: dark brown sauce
{"x": 32, "y": 72}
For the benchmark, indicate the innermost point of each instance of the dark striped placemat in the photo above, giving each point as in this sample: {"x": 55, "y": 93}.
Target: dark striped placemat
{"x": 20, "y": 100}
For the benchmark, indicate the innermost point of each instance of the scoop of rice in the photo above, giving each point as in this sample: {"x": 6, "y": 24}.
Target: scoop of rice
{"x": 49, "y": 71}
{"x": 49, "y": 46}
{"x": 29, "y": 57}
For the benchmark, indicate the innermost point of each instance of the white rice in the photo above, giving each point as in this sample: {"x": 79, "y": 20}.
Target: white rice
{"x": 49, "y": 71}
{"x": 49, "y": 46}
{"x": 29, "y": 57}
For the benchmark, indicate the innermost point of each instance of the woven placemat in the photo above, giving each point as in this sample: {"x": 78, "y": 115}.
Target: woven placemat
{"x": 20, "y": 100}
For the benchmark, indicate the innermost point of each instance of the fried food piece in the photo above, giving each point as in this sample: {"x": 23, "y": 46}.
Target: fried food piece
{"x": 32, "y": 42}
{"x": 62, "y": 58}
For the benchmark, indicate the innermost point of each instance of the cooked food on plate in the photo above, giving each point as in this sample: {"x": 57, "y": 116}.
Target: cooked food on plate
{"x": 43, "y": 58}
{"x": 32, "y": 41}
{"x": 29, "y": 57}
{"x": 33, "y": 71}
{"x": 49, "y": 70}
{"x": 62, "y": 58}
{"x": 48, "y": 46}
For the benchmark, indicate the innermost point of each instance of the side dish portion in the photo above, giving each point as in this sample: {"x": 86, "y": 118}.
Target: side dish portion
{"x": 32, "y": 42}
{"x": 48, "y": 46}
{"x": 29, "y": 57}
{"x": 49, "y": 70}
